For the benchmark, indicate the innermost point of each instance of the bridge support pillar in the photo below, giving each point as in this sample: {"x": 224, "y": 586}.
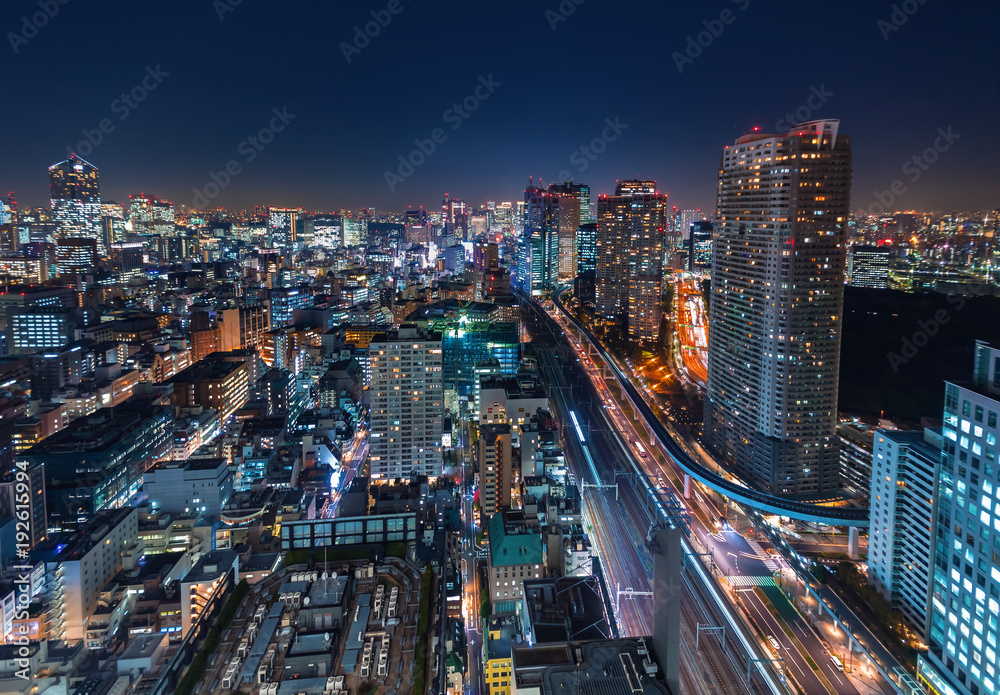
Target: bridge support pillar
{"x": 853, "y": 543}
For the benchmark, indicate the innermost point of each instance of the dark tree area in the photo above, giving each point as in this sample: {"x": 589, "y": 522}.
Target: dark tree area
{"x": 898, "y": 349}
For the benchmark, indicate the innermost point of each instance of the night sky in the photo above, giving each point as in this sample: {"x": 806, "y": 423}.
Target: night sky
{"x": 219, "y": 82}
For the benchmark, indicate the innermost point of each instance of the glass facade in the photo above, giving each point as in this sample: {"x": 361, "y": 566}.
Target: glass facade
{"x": 965, "y": 591}
{"x": 469, "y": 344}
{"x": 383, "y": 528}
{"x": 74, "y": 189}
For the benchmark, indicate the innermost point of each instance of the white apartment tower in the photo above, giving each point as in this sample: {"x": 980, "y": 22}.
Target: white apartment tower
{"x": 407, "y": 403}
{"x": 776, "y": 308}
{"x": 901, "y": 533}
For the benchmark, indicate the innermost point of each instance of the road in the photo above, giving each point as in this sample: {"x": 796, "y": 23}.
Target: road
{"x": 736, "y": 558}
{"x": 470, "y": 604}
{"x": 691, "y": 325}
{"x": 618, "y": 523}
{"x": 352, "y": 458}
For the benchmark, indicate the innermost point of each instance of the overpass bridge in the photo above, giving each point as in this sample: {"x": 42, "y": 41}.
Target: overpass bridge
{"x": 771, "y": 504}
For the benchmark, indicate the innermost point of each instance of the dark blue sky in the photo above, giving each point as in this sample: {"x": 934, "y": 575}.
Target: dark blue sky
{"x": 556, "y": 88}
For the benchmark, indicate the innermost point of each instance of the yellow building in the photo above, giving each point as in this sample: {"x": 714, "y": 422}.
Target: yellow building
{"x": 497, "y": 669}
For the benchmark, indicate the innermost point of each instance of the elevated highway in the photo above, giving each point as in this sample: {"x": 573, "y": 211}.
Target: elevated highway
{"x": 771, "y": 504}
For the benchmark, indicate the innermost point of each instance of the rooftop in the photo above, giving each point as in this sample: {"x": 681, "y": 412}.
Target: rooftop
{"x": 512, "y": 541}
{"x": 565, "y": 608}
{"x": 600, "y": 667}
{"x": 211, "y": 566}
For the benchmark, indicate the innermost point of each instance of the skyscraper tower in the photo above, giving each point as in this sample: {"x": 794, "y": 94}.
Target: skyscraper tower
{"x": 74, "y": 188}
{"x": 630, "y": 231}
{"x": 574, "y": 208}
{"x": 538, "y": 266}
{"x": 776, "y": 307}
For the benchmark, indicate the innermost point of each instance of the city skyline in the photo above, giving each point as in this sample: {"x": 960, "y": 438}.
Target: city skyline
{"x": 466, "y": 349}
{"x": 302, "y": 144}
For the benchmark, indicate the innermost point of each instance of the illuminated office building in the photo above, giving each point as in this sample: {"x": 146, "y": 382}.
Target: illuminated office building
{"x": 285, "y": 301}
{"x": 23, "y": 270}
{"x": 214, "y": 383}
{"x": 965, "y": 590}
{"x": 75, "y": 256}
{"x": 584, "y": 285}
{"x": 74, "y": 189}
{"x": 903, "y": 484}
{"x": 573, "y": 208}
{"x": 126, "y": 260}
{"x": 37, "y": 328}
{"x": 700, "y": 246}
{"x": 113, "y": 222}
{"x": 10, "y": 239}
{"x": 151, "y": 216}
{"x": 776, "y": 308}
{"x": 629, "y": 258}
{"x": 868, "y": 266}
{"x": 538, "y": 263}
{"x": 282, "y": 224}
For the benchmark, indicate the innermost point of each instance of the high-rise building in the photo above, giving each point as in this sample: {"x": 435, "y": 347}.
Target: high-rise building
{"x": 13, "y": 496}
{"x": 407, "y": 403}
{"x": 686, "y": 219}
{"x": 74, "y": 189}
{"x": 868, "y": 266}
{"x": 282, "y": 223}
{"x": 113, "y": 222}
{"x": 776, "y": 307}
{"x": 126, "y": 260}
{"x": 243, "y": 328}
{"x": 495, "y": 469}
{"x": 538, "y": 268}
{"x": 629, "y": 276}
{"x": 10, "y": 240}
{"x": 574, "y": 208}
{"x": 901, "y": 535}
{"x": 151, "y": 216}
{"x": 285, "y": 301}
{"x": 700, "y": 246}
{"x": 355, "y": 231}
{"x": 965, "y": 589}
{"x": 584, "y": 285}
{"x": 856, "y": 443}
